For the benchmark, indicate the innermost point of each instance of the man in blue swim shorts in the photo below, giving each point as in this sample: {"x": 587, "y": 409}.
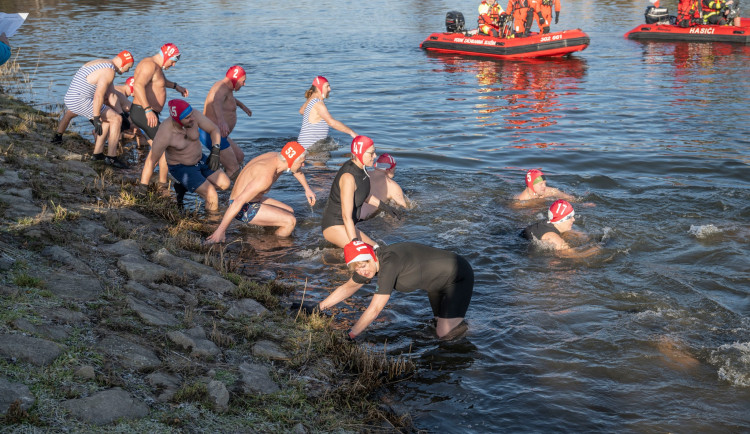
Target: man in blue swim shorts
{"x": 178, "y": 139}
{"x": 248, "y": 202}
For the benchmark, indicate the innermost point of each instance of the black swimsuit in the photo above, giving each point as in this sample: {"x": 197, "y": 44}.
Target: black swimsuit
{"x": 332, "y": 215}
{"x": 538, "y": 229}
{"x": 138, "y": 117}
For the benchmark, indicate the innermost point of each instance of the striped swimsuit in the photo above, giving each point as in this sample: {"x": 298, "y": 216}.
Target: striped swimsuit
{"x": 80, "y": 96}
{"x": 311, "y": 133}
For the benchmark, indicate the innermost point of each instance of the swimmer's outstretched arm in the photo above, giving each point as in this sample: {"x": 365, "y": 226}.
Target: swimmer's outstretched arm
{"x": 309, "y": 194}
{"x": 243, "y": 107}
{"x": 333, "y": 123}
{"x": 554, "y": 192}
{"x": 580, "y": 253}
{"x": 340, "y": 294}
{"x": 376, "y": 306}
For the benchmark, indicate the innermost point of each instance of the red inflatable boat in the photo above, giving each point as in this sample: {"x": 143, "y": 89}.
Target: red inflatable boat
{"x": 456, "y": 40}
{"x": 665, "y": 30}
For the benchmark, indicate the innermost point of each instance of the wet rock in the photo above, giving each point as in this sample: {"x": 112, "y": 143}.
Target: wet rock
{"x": 58, "y": 254}
{"x": 194, "y": 340}
{"x": 269, "y": 350}
{"x": 166, "y": 385}
{"x": 219, "y": 396}
{"x": 150, "y": 315}
{"x": 106, "y": 407}
{"x": 74, "y": 286}
{"x": 86, "y": 372}
{"x": 246, "y": 307}
{"x": 11, "y": 392}
{"x": 141, "y": 270}
{"x": 9, "y": 177}
{"x": 256, "y": 379}
{"x": 130, "y": 354}
{"x": 24, "y": 193}
{"x": 78, "y": 167}
{"x": 163, "y": 257}
{"x": 215, "y": 284}
{"x": 39, "y": 352}
{"x": 49, "y": 331}
{"x": 122, "y": 248}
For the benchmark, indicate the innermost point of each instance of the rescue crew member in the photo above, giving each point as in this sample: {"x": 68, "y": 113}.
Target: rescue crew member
{"x": 560, "y": 219}
{"x": 349, "y": 191}
{"x": 712, "y": 12}
{"x": 520, "y": 11}
{"x": 546, "y": 9}
{"x": 489, "y": 20}
{"x": 535, "y": 13}
{"x": 688, "y": 13}
{"x": 447, "y": 278}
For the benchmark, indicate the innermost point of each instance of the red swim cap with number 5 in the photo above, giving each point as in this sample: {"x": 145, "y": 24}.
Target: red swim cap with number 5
{"x": 560, "y": 211}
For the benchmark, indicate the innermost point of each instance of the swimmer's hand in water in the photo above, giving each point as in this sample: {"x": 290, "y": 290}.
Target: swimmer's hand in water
{"x": 310, "y": 195}
{"x": 216, "y": 237}
{"x": 391, "y": 210}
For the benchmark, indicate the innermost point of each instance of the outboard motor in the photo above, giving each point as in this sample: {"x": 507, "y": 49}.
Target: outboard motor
{"x": 454, "y": 22}
{"x": 657, "y": 15}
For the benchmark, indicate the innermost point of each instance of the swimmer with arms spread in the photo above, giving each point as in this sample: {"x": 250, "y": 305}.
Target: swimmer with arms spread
{"x": 560, "y": 218}
{"x": 248, "y": 202}
{"x": 447, "y": 278}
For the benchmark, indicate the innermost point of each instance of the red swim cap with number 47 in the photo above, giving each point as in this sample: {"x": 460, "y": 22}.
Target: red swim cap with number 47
{"x": 360, "y": 144}
{"x": 358, "y": 251}
{"x": 291, "y": 151}
{"x": 560, "y": 211}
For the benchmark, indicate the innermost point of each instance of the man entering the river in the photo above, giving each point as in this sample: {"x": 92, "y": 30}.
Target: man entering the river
{"x": 447, "y": 278}
{"x": 248, "y": 202}
{"x": 560, "y": 219}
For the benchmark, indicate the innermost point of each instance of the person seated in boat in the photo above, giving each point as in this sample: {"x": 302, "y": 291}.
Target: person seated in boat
{"x": 521, "y": 15}
{"x": 560, "y": 219}
{"x": 689, "y": 13}
{"x": 489, "y": 21}
{"x": 547, "y": 13}
{"x": 383, "y": 186}
{"x": 713, "y": 12}
{"x": 536, "y": 188}
{"x": 732, "y": 13}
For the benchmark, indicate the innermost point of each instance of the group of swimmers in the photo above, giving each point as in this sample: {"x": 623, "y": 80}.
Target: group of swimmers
{"x": 177, "y": 146}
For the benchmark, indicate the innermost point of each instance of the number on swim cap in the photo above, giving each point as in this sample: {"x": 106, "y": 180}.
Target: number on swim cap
{"x": 173, "y": 111}
{"x": 290, "y": 152}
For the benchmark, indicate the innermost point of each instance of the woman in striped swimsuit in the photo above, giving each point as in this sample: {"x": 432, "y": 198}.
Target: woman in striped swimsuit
{"x": 87, "y": 93}
{"x": 315, "y": 116}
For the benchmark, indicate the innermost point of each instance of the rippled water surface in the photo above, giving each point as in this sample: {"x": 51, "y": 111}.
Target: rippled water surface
{"x": 651, "y": 335}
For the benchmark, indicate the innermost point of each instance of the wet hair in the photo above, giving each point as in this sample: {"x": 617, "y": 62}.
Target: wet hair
{"x": 310, "y": 92}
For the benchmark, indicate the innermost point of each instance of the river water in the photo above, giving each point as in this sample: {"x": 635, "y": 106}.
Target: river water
{"x": 650, "y": 335}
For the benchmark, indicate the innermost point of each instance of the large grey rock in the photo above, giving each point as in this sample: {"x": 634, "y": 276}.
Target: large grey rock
{"x": 194, "y": 340}
{"x": 141, "y": 270}
{"x": 133, "y": 217}
{"x": 106, "y": 407}
{"x": 58, "y": 254}
{"x": 256, "y": 379}
{"x": 130, "y": 354}
{"x": 122, "y": 248}
{"x": 215, "y": 284}
{"x": 185, "y": 266}
{"x": 36, "y": 351}
{"x": 19, "y": 207}
{"x": 11, "y": 392}
{"x": 66, "y": 316}
{"x": 89, "y": 230}
{"x": 166, "y": 385}
{"x": 150, "y": 315}
{"x": 74, "y": 286}
{"x": 9, "y": 177}
{"x": 78, "y": 167}
{"x": 269, "y": 350}
{"x": 219, "y": 396}
{"x": 86, "y": 372}
{"x": 246, "y": 307}
{"x": 49, "y": 331}
{"x": 25, "y": 193}
{"x": 143, "y": 292}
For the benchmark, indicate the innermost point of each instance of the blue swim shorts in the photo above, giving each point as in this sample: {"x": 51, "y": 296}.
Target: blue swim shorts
{"x": 248, "y": 211}
{"x": 191, "y": 177}
{"x": 4, "y": 53}
{"x": 206, "y": 140}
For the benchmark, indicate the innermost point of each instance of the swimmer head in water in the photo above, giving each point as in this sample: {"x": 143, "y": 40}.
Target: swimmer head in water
{"x": 561, "y": 211}
{"x": 536, "y": 181}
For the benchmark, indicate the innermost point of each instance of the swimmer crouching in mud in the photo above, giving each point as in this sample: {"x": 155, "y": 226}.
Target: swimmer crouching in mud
{"x": 447, "y": 278}
{"x": 560, "y": 219}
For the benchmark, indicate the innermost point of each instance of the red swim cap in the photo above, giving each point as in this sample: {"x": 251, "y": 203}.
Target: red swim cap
{"x": 179, "y": 110}
{"x": 234, "y": 74}
{"x": 360, "y": 144}
{"x": 358, "y": 251}
{"x": 126, "y": 58}
{"x": 169, "y": 52}
{"x": 291, "y": 151}
{"x": 129, "y": 83}
{"x": 560, "y": 211}
{"x": 319, "y": 82}
{"x": 534, "y": 176}
{"x": 386, "y": 159}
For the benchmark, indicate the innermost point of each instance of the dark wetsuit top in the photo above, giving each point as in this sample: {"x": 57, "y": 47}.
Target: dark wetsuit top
{"x": 538, "y": 229}
{"x": 332, "y": 212}
{"x": 447, "y": 277}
